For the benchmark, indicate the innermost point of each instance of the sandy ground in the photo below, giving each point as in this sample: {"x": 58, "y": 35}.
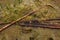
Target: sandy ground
{"x": 15, "y": 32}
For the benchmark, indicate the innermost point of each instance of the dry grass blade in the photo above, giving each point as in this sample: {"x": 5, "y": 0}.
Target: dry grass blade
{"x": 16, "y": 21}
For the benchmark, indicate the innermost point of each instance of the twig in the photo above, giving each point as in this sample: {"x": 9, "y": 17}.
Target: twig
{"x": 53, "y": 19}
{"x": 43, "y": 25}
{"x": 16, "y": 21}
{"x": 37, "y": 23}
